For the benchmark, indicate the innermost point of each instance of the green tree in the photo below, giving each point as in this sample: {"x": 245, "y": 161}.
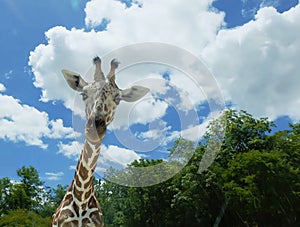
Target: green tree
{"x": 52, "y": 198}
{"x": 25, "y": 194}
{"x": 30, "y": 188}
{"x": 262, "y": 187}
{"x": 241, "y": 133}
{"x": 253, "y": 181}
{"x": 58, "y": 194}
{"x": 257, "y": 173}
{"x": 23, "y": 218}
{"x": 19, "y": 199}
{"x": 5, "y": 195}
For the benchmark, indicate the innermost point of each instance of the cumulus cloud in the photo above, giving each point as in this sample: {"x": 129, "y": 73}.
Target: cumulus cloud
{"x": 250, "y": 8}
{"x": 117, "y": 155}
{"x": 110, "y": 156}
{"x": 59, "y": 131}
{"x": 257, "y": 64}
{"x": 158, "y": 133}
{"x": 186, "y": 25}
{"x": 21, "y": 122}
{"x": 190, "y": 24}
{"x": 190, "y": 94}
{"x": 254, "y": 64}
{"x": 71, "y": 150}
{"x": 144, "y": 111}
{"x": 54, "y": 176}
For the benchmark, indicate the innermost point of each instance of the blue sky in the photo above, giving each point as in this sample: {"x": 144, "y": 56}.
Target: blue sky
{"x": 251, "y": 48}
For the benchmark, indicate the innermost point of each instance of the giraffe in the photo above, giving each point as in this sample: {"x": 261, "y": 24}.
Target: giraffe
{"x": 80, "y": 206}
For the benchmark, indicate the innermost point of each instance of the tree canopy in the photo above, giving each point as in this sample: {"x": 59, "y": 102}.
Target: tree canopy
{"x": 254, "y": 180}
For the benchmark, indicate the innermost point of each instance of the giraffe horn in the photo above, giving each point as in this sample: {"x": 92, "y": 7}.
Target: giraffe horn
{"x": 113, "y": 66}
{"x": 98, "y": 75}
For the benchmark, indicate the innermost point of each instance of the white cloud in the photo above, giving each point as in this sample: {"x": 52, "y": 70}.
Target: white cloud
{"x": 190, "y": 26}
{"x": 250, "y": 8}
{"x": 193, "y": 133}
{"x": 117, "y": 155}
{"x": 2, "y": 88}
{"x": 48, "y": 60}
{"x": 70, "y": 150}
{"x": 20, "y": 122}
{"x": 8, "y": 74}
{"x": 190, "y": 94}
{"x": 58, "y": 130}
{"x": 110, "y": 156}
{"x": 144, "y": 111}
{"x": 54, "y": 176}
{"x": 257, "y": 64}
{"x": 148, "y": 75}
{"x": 158, "y": 133}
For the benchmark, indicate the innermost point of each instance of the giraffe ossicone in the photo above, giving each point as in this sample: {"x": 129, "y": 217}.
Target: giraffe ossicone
{"x": 101, "y": 96}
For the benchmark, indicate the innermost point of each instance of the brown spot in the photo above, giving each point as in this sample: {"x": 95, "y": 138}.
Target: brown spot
{"x": 78, "y": 194}
{"x": 88, "y": 193}
{"x": 85, "y": 222}
{"x": 97, "y": 145}
{"x": 97, "y": 218}
{"x": 76, "y": 209}
{"x": 105, "y": 108}
{"x": 70, "y": 224}
{"x": 92, "y": 202}
{"x": 83, "y": 213}
{"x": 89, "y": 183}
{"x": 77, "y": 181}
{"x": 63, "y": 216}
{"x": 94, "y": 162}
{"x": 83, "y": 172}
{"x": 71, "y": 185}
{"x": 68, "y": 199}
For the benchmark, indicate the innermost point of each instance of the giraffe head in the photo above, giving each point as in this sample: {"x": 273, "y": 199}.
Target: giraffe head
{"x": 101, "y": 97}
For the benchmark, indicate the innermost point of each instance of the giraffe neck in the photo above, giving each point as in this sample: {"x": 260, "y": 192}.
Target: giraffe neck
{"x": 79, "y": 206}
{"x": 84, "y": 175}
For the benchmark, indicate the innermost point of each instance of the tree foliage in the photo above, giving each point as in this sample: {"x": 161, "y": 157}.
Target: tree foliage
{"x": 254, "y": 180}
{"x": 27, "y": 202}
{"x": 23, "y": 218}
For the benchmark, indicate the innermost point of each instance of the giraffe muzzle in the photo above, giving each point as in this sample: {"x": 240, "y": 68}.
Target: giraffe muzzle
{"x": 95, "y": 128}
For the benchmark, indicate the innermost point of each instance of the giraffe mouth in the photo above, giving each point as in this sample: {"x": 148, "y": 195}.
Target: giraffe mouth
{"x": 100, "y": 125}
{"x": 95, "y": 128}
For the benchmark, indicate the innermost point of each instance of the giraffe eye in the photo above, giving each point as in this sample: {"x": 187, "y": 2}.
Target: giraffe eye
{"x": 84, "y": 96}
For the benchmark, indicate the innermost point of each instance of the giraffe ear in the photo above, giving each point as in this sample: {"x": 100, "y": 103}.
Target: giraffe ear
{"x": 74, "y": 80}
{"x": 134, "y": 93}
